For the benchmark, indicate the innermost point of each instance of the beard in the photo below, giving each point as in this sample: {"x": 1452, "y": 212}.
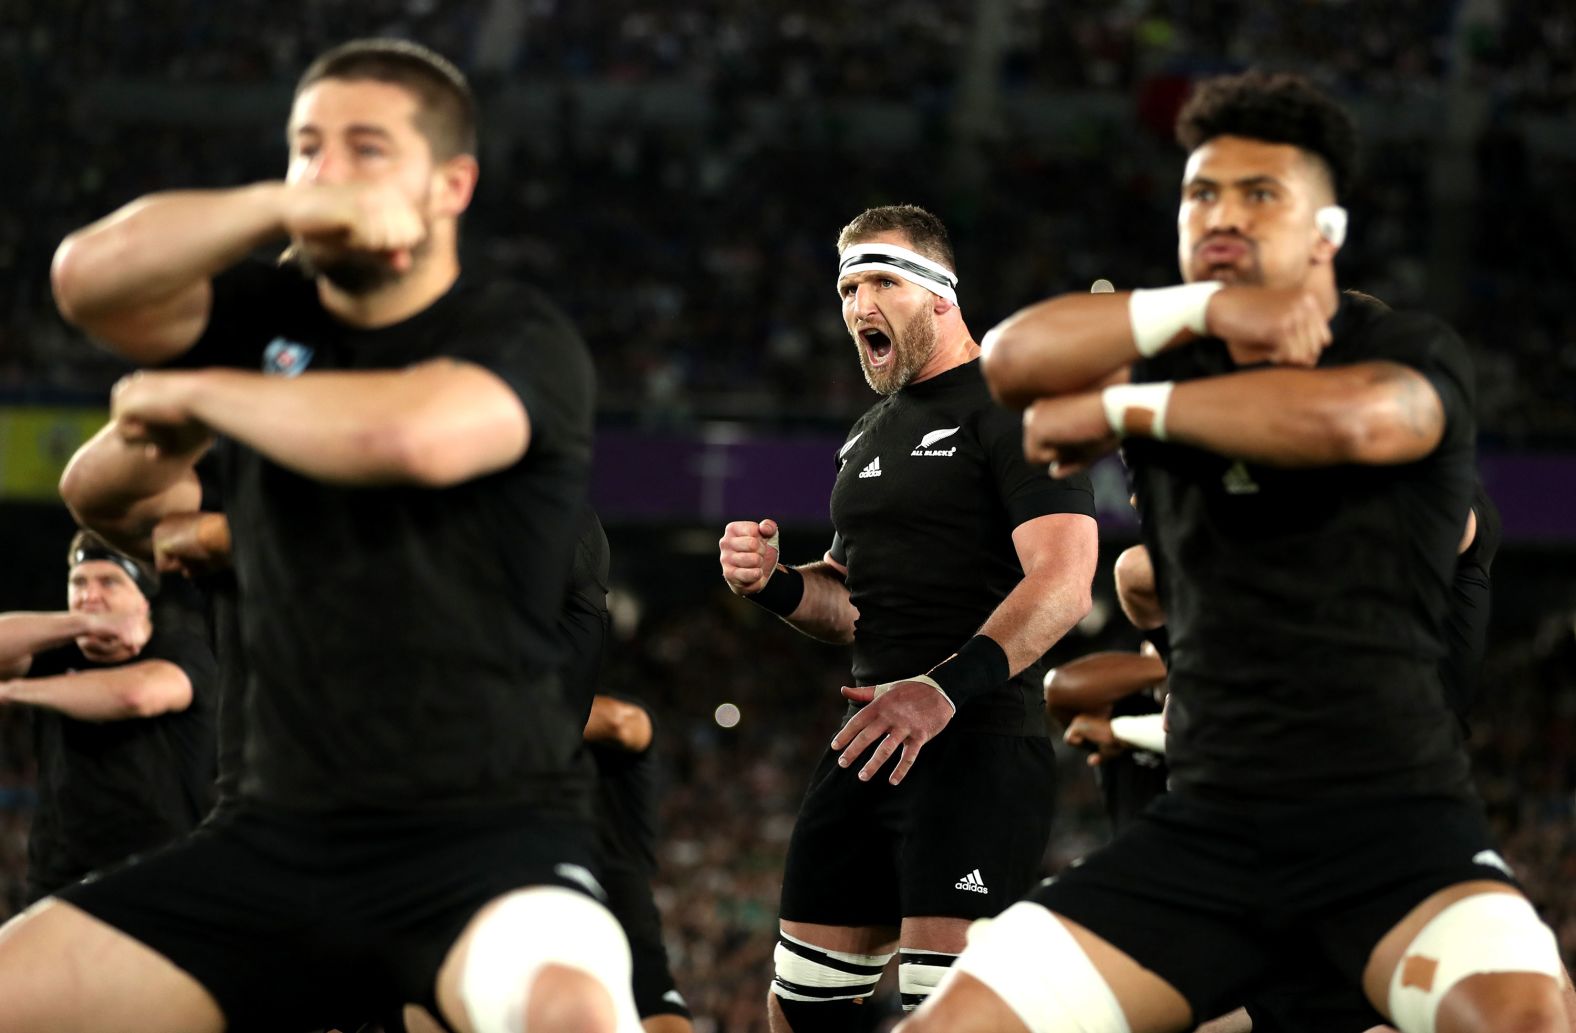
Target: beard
{"x": 352, "y": 271}
{"x": 910, "y": 351}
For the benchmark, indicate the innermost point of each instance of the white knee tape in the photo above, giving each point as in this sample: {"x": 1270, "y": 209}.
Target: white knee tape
{"x": 805, "y": 972}
{"x": 1027, "y": 957}
{"x": 530, "y": 928}
{"x": 1487, "y": 932}
{"x": 919, "y": 973}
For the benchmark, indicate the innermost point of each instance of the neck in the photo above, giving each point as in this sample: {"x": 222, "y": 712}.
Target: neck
{"x": 954, "y": 346}
{"x": 396, "y": 302}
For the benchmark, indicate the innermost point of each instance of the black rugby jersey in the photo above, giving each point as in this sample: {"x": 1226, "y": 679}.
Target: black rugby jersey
{"x": 1466, "y": 623}
{"x": 626, "y": 802}
{"x": 401, "y": 642}
{"x": 931, "y": 482}
{"x": 107, "y": 790}
{"x": 1306, "y": 607}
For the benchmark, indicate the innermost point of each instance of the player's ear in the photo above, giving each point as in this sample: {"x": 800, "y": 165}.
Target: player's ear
{"x": 454, "y": 183}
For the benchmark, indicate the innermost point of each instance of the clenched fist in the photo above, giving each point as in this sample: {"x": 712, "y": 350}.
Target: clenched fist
{"x": 748, "y": 551}
{"x": 1287, "y": 326}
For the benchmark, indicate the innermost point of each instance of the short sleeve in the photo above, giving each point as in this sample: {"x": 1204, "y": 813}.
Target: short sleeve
{"x": 1434, "y": 350}
{"x": 1026, "y": 489}
{"x": 541, "y": 357}
{"x": 180, "y": 636}
{"x": 838, "y": 551}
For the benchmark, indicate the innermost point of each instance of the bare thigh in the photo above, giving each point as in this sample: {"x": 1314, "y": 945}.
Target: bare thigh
{"x": 63, "y": 971}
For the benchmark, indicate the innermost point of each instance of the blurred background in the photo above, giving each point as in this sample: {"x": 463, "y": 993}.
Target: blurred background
{"x": 674, "y": 173}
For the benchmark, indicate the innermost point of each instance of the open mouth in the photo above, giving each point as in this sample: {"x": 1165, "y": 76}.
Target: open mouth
{"x": 878, "y": 346}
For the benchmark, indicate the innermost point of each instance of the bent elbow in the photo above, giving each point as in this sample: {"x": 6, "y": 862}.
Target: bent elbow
{"x": 149, "y": 698}
{"x": 65, "y": 279}
{"x": 1002, "y": 363}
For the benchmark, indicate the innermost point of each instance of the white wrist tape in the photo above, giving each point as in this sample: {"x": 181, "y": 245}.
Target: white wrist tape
{"x": 886, "y": 687}
{"x": 1145, "y": 731}
{"x": 1153, "y": 398}
{"x": 1159, "y": 315}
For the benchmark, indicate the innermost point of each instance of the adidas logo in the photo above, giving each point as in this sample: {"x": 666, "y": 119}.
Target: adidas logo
{"x": 924, "y": 449}
{"x": 872, "y": 469}
{"x": 971, "y": 882}
{"x": 1238, "y": 481}
{"x": 674, "y": 997}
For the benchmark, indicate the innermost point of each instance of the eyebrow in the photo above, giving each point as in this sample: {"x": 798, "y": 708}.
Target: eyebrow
{"x": 354, "y": 129}
{"x": 1245, "y": 182}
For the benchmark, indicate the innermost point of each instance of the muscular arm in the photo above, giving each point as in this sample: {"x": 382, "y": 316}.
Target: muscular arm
{"x": 122, "y": 490}
{"x": 1058, "y": 554}
{"x": 434, "y": 424}
{"x": 139, "y": 279}
{"x": 1069, "y": 343}
{"x": 825, "y": 613}
{"x": 24, "y": 634}
{"x": 1371, "y": 413}
{"x": 1097, "y": 680}
{"x": 1135, "y": 589}
{"x": 146, "y": 688}
{"x": 623, "y": 724}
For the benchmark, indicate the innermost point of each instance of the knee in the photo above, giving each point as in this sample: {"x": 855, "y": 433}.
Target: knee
{"x": 1503, "y": 1003}
{"x": 567, "y": 1000}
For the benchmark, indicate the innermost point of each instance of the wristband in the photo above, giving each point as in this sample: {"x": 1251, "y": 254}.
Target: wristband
{"x": 1153, "y": 398}
{"x": 978, "y": 666}
{"x": 1157, "y": 316}
{"x": 783, "y": 591}
{"x": 1145, "y": 731}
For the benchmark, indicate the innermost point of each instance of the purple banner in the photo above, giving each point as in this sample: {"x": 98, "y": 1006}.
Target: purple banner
{"x": 722, "y": 472}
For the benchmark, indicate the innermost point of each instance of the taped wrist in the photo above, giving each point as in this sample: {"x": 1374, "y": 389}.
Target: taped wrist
{"x": 1157, "y": 316}
{"x": 1152, "y": 398}
{"x": 977, "y": 667}
{"x": 783, "y": 592}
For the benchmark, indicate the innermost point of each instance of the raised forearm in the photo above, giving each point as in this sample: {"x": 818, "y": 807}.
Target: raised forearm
{"x": 1099, "y": 679}
{"x": 159, "y": 248}
{"x": 1373, "y": 413}
{"x": 1068, "y": 343}
{"x": 142, "y": 689}
{"x": 825, "y": 612}
{"x": 122, "y": 490}
{"x": 24, "y": 634}
{"x": 430, "y": 425}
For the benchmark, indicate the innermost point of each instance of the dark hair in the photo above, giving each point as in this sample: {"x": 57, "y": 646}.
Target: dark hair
{"x": 90, "y": 545}
{"x": 1277, "y": 108}
{"x": 447, "y": 108}
{"x": 924, "y": 231}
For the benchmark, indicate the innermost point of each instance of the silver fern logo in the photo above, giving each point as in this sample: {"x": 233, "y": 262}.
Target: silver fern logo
{"x": 924, "y": 449}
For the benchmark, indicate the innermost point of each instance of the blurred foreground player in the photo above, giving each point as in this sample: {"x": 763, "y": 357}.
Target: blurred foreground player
{"x": 408, "y": 467}
{"x": 955, "y": 566}
{"x": 1303, "y": 520}
{"x": 122, "y": 686}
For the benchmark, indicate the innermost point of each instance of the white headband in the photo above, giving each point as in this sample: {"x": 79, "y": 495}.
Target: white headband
{"x": 902, "y": 263}
{"x": 1331, "y": 221}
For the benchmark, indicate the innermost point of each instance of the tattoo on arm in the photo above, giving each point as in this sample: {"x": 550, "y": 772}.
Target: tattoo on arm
{"x": 1420, "y": 407}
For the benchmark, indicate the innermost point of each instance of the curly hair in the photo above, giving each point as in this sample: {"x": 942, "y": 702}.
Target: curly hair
{"x": 927, "y": 233}
{"x": 1278, "y": 108}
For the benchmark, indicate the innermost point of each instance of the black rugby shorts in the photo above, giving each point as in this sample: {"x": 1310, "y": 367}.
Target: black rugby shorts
{"x": 629, "y": 898}
{"x": 963, "y": 836}
{"x": 1206, "y": 893}
{"x": 300, "y": 921}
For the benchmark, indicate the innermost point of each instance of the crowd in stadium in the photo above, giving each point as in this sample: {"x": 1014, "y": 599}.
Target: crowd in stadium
{"x": 697, "y": 263}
